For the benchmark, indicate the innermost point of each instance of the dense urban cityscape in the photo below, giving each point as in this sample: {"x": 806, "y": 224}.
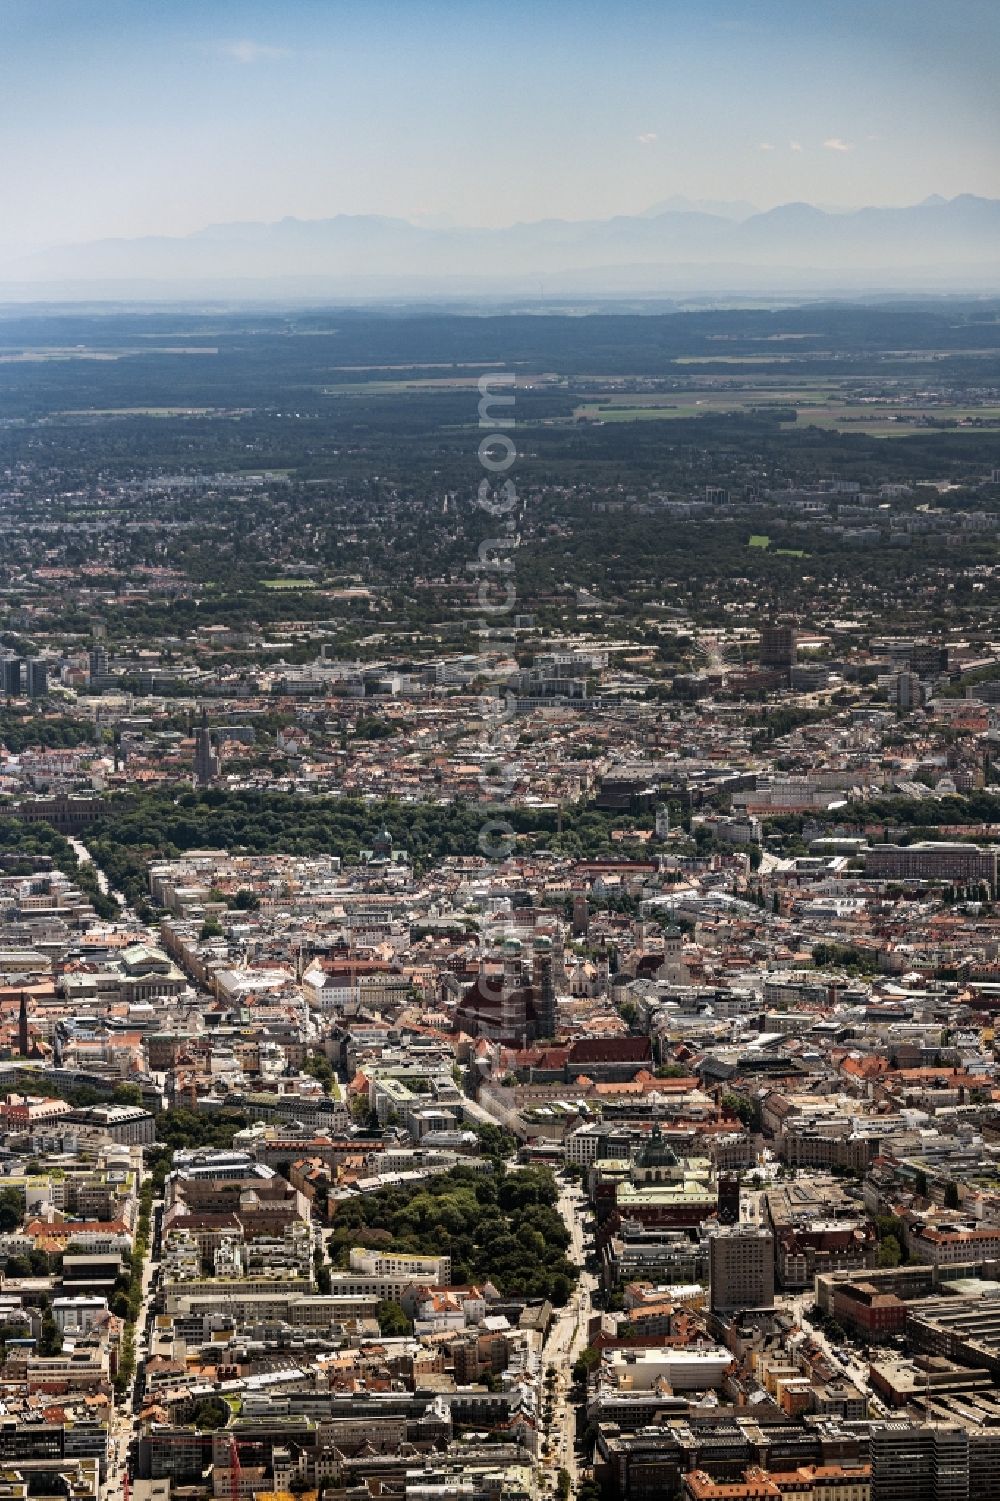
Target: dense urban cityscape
{"x": 498, "y": 868}
{"x": 499, "y": 750}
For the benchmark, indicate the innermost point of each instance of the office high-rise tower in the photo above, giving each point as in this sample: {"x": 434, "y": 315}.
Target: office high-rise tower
{"x": 777, "y": 646}
{"x": 98, "y": 666}
{"x": 12, "y": 677}
{"x": 741, "y": 1269}
{"x": 38, "y": 678}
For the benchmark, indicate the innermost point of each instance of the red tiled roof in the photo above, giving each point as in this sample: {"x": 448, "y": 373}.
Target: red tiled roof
{"x": 637, "y": 1050}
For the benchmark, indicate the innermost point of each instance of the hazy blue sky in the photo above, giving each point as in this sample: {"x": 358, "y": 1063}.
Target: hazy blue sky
{"x": 123, "y": 117}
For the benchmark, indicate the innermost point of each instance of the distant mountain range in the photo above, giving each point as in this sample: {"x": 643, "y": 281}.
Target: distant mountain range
{"x": 676, "y": 245}
{"x": 678, "y": 204}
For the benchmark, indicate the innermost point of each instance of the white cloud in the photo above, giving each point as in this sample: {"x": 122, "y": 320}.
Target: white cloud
{"x": 765, "y": 146}
{"x": 795, "y": 145}
{"x": 836, "y": 144}
{"x": 647, "y": 138}
{"x": 246, "y": 51}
